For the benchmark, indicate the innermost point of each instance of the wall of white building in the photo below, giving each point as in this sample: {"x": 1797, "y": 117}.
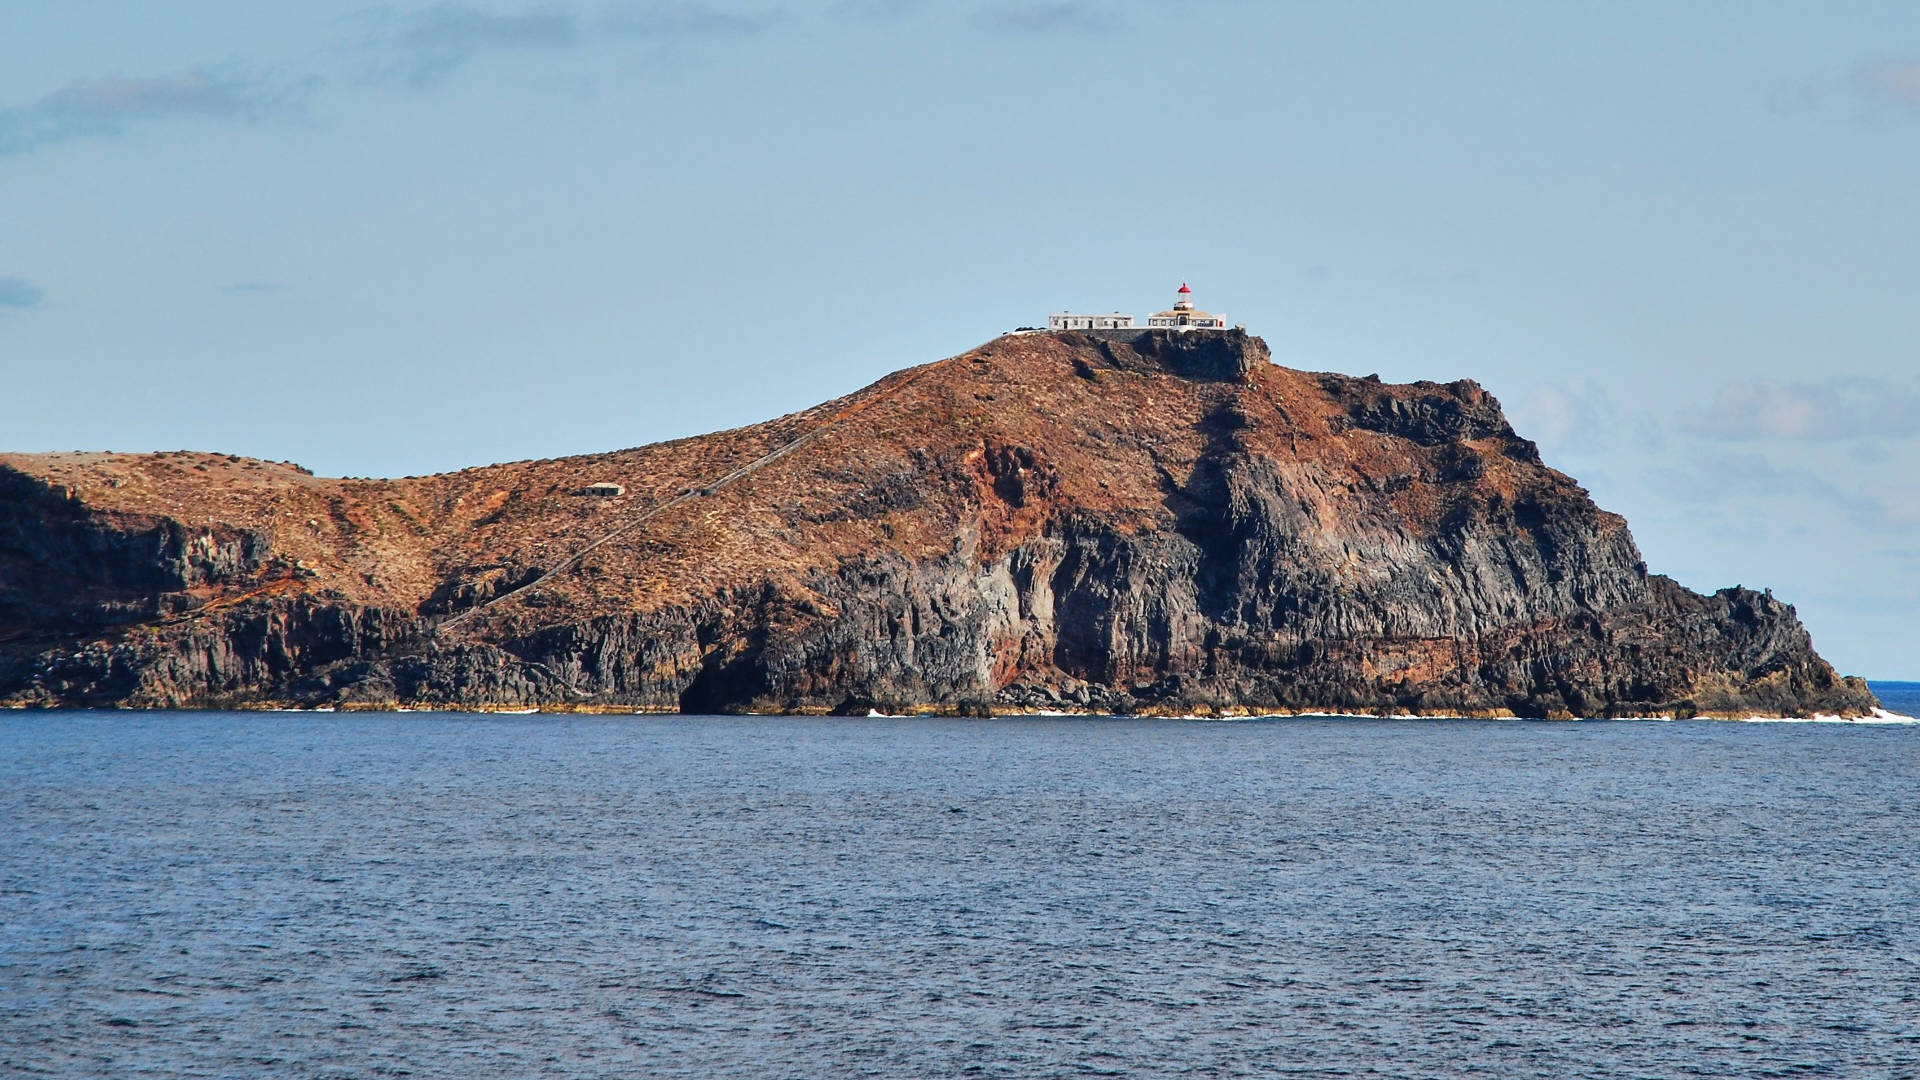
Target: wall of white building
{"x": 1070, "y": 321}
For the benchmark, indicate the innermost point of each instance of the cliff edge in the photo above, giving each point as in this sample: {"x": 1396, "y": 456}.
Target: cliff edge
{"x": 1124, "y": 523}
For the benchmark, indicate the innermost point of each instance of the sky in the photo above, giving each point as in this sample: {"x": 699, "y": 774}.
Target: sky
{"x": 1680, "y": 242}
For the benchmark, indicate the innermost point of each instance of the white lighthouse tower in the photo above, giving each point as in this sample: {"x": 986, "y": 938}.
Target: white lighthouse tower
{"x": 1184, "y": 316}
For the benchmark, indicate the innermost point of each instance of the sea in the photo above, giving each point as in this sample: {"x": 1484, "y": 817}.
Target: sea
{"x": 442, "y": 895}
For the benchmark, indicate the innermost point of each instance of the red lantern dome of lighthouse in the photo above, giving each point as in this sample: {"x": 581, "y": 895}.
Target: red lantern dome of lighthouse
{"x": 1183, "y": 316}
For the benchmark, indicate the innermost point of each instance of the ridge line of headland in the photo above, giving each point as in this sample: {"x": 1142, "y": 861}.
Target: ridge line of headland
{"x": 689, "y": 495}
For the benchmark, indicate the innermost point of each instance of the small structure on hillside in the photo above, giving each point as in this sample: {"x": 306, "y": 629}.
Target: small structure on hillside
{"x": 603, "y": 490}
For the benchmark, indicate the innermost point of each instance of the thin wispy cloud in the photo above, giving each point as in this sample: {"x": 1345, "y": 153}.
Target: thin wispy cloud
{"x": 1582, "y": 420}
{"x": 114, "y": 104}
{"x": 1795, "y": 97}
{"x": 1565, "y": 418}
{"x": 420, "y": 49}
{"x": 1054, "y": 17}
{"x": 667, "y": 19}
{"x": 1760, "y": 410}
{"x": 18, "y": 294}
{"x": 877, "y": 10}
{"x": 1713, "y": 480}
{"x": 1899, "y": 504}
{"x": 1894, "y": 82}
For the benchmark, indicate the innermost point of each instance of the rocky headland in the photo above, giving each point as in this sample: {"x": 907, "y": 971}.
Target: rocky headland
{"x": 1051, "y": 522}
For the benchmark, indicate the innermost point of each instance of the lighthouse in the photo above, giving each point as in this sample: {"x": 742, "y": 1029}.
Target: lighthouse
{"x": 1183, "y": 316}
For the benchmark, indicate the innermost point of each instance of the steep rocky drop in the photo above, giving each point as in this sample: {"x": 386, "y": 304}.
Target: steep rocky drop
{"x": 1064, "y": 522}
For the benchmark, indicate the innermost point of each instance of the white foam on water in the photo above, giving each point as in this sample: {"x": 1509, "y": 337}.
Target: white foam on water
{"x": 1322, "y": 716}
{"x": 1878, "y": 716}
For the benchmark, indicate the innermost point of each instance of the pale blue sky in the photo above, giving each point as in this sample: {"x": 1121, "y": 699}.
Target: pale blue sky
{"x": 1680, "y": 242}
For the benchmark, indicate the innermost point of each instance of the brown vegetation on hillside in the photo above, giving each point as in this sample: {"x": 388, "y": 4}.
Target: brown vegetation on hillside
{"x": 1333, "y": 542}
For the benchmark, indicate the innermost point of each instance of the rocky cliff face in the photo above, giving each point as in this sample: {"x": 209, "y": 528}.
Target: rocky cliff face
{"x": 1052, "y": 521}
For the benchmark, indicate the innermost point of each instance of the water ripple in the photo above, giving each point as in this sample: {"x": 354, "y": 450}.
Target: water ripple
{"x": 333, "y": 896}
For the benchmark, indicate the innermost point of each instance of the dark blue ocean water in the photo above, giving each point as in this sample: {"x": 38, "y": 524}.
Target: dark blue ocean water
{"x": 1900, "y": 697}
{"x": 458, "y": 896}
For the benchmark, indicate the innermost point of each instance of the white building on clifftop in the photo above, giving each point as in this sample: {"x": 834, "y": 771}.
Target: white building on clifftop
{"x": 1183, "y": 316}
{"x": 1067, "y": 320}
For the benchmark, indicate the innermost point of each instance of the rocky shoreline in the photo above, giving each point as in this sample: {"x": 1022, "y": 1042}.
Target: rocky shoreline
{"x": 1050, "y": 523}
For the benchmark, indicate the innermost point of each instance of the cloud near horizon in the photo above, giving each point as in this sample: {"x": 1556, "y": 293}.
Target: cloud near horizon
{"x": 1839, "y": 409}
{"x": 420, "y": 49}
{"x": 1714, "y": 479}
{"x": 19, "y": 294}
{"x": 1582, "y": 421}
{"x": 877, "y": 10}
{"x": 1894, "y": 81}
{"x": 1051, "y": 17}
{"x": 112, "y": 104}
{"x": 1573, "y": 419}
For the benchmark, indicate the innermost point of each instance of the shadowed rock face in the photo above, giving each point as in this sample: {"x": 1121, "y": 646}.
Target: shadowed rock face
{"x": 1105, "y": 523}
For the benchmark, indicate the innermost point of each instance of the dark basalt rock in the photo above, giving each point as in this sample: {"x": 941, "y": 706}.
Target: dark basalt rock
{"x": 1305, "y": 542}
{"x": 1432, "y": 415}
